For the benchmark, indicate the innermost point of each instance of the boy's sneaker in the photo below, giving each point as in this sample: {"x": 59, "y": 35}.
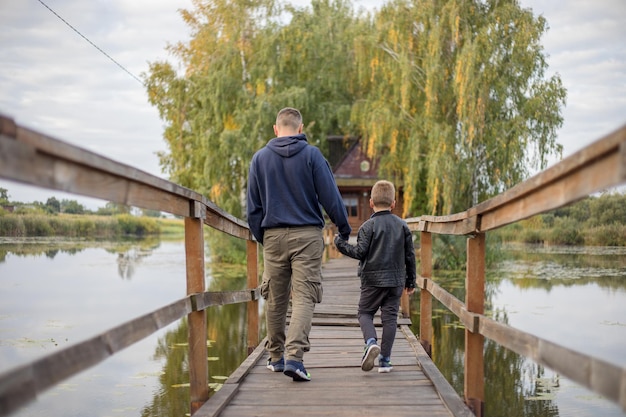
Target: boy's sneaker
{"x": 276, "y": 366}
{"x": 296, "y": 370}
{"x": 384, "y": 366}
{"x": 370, "y": 354}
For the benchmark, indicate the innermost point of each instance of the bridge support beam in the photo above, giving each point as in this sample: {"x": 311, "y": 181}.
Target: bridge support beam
{"x": 198, "y": 365}
{"x": 252, "y": 259}
{"x": 474, "y": 384}
{"x": 426, "y": 299}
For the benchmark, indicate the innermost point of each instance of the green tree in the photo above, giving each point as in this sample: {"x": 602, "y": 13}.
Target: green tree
{"x": 53, "y": 206}
{"x": 241, "y": 67}
{"x": 468, "y": 110}
{"x": 450, "y": 95}
{"x": 72, "y": 207}
{"x": 206, "y": 108}
{"x": 315, "y": 68}
{"x": 111, "y": 208}
{"x": 4, "y": 196}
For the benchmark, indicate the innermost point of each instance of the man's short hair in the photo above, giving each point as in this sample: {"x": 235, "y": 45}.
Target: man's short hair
{"x": 383, "y": 194}
{"x": 289, "y": 117}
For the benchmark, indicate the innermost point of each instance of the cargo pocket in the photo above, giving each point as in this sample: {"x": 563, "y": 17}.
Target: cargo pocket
{"x": 318, "y": 290}
{"x": 265, "y": 287}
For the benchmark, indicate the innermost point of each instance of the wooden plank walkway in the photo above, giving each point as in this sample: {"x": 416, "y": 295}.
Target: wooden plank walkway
{"x": 339, "y": 387}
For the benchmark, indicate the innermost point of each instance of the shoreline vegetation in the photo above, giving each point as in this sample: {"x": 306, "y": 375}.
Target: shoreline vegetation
{"x": 592, "y": 221}
{"x": 87, "y": 225}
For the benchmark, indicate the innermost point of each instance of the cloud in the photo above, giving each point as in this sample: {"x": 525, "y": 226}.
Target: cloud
{"x": 585, "y": 47}
{"x": 53, "y": 80}
{"x": 56, "y": 82}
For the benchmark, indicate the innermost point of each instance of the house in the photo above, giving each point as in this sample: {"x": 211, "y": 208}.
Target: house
{"x": 355, "y": 175}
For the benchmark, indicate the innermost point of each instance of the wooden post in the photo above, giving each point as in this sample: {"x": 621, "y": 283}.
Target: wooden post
{"x": 426, "y": 299}
{"x": 198, "y": 364}
{"x": 253, "y": 306}
{"x": 405, "y": 305}
{"x": 475, "y": 302}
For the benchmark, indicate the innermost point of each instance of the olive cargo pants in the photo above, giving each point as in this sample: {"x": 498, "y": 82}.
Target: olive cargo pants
{"x": 293, "y": 267}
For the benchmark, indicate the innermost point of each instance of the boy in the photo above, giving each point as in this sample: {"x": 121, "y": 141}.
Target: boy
{"x": 387, "y": 266}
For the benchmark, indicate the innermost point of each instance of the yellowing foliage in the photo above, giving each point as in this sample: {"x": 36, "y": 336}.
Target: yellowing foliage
{"x": 216, "y": 191}
{"x": 393, "y": 146}
{"x": 229, "y": 123}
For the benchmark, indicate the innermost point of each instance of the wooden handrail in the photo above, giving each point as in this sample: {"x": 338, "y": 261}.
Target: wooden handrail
{"x": 37, "y": 159}
{"x": 597, "y": 167}
{"x": 33, "y": 158}
{"x": 22, "y": 384}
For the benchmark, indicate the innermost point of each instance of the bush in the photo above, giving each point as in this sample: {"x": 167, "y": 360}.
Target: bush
{"x": 131, "y": 225}
{"x": 12, "y": 226}
{"x": 613, "y": 235}
{"x": 532, "y": 236}
{"x": 566, "y": 232}
{"x": 37, "y": 226}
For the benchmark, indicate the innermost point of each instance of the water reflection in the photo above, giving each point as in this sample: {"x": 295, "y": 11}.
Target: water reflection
{"x": 227, "y": 346}
{"x": 515, "y": 386}
{"x": 130, "y": 252}
{"x": 128, "y": 261}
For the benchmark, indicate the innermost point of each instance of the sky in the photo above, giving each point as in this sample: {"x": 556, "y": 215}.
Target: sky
{"x": 55, "y": 81}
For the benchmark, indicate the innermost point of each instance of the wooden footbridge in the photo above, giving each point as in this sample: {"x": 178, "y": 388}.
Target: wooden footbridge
{"x": 339, "y": 387}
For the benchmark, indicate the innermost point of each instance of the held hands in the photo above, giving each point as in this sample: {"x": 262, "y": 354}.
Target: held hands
{"x": 339, "y": 238}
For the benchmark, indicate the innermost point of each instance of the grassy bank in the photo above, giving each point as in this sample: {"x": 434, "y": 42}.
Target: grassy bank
{"x": 91, "y": 226}
{"x": 592, "y": 221}
{"x": 564, "y": 233}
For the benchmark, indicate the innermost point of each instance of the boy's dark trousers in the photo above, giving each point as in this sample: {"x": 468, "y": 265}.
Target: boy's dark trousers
{"x": 388, "y": 300}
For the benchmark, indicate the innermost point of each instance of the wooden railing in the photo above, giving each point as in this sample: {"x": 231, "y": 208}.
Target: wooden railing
{"x": 595, "y": 168}
{"x": 32, "y": 158}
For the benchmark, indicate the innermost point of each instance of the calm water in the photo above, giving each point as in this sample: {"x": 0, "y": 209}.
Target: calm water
{"x": 575, "y": 297}
{"x": 54, "y": 293}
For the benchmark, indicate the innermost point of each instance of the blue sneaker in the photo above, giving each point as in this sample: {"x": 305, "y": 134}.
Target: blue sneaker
{"x": 370, "y": 354}
{"x": 384, "y": 365}
{"x": 276, "y": 366}
{"x": 296, "y": 370}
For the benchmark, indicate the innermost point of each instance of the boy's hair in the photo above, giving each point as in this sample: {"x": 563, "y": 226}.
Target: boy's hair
{"x": 289, "y": 117}
{"x": 383, "y": 194}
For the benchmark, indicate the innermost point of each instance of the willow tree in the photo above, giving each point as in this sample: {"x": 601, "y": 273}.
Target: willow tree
{"x": 316, "y": 64}
{"x": 390, "y": 97}
{"x": 468, "y": 111}
{"x": 207, "y": 109}
{"x": 247, "y": 59}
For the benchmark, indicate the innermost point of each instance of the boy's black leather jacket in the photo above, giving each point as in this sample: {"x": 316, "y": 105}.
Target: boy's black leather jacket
{"x": 385, "y": 250}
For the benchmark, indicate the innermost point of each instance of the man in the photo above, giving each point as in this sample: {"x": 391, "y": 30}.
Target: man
{"x": 289, "y": 183}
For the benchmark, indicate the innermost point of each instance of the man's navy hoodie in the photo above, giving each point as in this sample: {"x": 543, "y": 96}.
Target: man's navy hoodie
{"x": 288, "y": 181}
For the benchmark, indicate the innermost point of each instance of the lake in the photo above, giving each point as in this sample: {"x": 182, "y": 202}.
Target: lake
{"x": 57, "y": 292}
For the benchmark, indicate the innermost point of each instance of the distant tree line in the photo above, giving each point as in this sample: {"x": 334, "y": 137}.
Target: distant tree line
{"x": 71, "y": 219}
{"x": 593, "y": 221}
{"x": 53, "y": 206}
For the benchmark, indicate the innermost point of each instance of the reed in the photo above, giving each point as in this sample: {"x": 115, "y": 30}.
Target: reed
{"x": 92, "y": 226}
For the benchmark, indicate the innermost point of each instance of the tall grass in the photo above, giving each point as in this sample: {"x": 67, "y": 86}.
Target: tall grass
{"x": 30, "y": 225}
{"x": 566, "y": 233}
{"x": 594, "y": 221}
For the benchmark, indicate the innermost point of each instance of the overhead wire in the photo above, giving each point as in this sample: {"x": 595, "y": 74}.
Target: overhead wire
{"x": 91, "y": 43}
